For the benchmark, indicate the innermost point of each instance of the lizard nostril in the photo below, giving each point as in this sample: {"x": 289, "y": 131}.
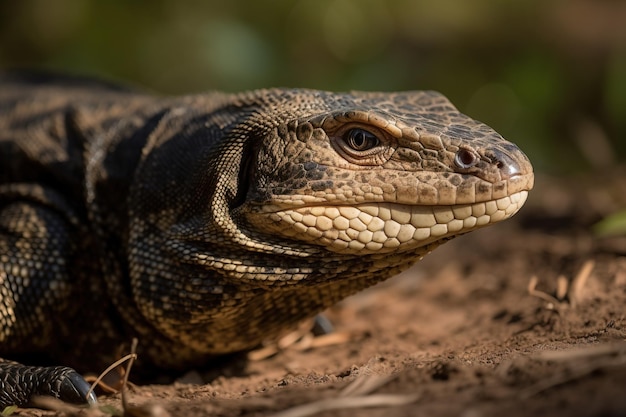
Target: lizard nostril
{"x": 508, "y": 166}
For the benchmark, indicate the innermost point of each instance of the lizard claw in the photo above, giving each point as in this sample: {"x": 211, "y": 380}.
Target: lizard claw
{"x": 322, "y": 325}
{"x": 75, "y": 389}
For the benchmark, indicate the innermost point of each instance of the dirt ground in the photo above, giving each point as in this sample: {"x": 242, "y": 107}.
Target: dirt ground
{"x": 459, "y": 334}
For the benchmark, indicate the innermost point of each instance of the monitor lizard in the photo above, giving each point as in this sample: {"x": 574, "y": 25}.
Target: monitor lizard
{"x": 205, "y": 224}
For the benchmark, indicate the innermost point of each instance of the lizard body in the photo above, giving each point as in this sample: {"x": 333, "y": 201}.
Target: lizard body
{"x": 205, "y": 224}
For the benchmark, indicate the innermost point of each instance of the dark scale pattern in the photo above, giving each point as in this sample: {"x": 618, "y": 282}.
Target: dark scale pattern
{"x": 33, "y": 274}
{"x": 206, "y": 224}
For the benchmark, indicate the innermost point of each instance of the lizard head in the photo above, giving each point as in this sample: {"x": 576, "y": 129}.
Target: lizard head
{"x": 278, "y": 203}
{"x": 382, "y": 172}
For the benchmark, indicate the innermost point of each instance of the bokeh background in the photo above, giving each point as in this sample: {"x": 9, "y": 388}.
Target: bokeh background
{"x": 549, "y": 75}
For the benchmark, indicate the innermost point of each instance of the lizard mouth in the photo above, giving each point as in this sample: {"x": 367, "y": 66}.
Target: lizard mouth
{"x": 369, "y": 228}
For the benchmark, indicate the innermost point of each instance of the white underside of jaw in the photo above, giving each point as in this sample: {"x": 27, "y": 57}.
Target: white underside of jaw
{"x": 386, "y": 227}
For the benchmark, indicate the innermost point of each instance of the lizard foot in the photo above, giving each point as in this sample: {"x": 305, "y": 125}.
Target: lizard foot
{"x": 20, "y": 383}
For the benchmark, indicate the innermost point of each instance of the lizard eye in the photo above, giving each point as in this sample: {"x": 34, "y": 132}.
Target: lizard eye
{"x": 465, "y": 159}
{"x": 360, "y": 140}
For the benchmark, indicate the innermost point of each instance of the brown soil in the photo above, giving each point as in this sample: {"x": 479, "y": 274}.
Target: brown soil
{"x": 460, "y": 334}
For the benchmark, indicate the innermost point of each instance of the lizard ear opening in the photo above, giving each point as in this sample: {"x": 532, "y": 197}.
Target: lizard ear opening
{"x": 244, "y": 175}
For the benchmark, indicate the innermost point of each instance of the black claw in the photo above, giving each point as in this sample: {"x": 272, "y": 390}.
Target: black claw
{"x": 322, "y": 325}
{"x": 75, "y": 389}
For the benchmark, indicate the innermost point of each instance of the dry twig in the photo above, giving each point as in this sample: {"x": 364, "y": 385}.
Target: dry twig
{"x": 365, "y": 385}
{"x": 576, "y": 289}
{"x": 583, "y": 362}
{"x": 377, "y": 400}
{"x": 130, "y": 357}
{"x": 355, "y": 395}
{"x": 301, "y": 339}
{"x": 573, "y": 291}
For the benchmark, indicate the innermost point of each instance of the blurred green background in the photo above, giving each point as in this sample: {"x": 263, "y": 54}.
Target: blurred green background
{"x": 549, "y": 75}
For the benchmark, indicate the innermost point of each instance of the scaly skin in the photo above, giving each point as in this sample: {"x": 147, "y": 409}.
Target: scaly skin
{"x": 206, "y": 224}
